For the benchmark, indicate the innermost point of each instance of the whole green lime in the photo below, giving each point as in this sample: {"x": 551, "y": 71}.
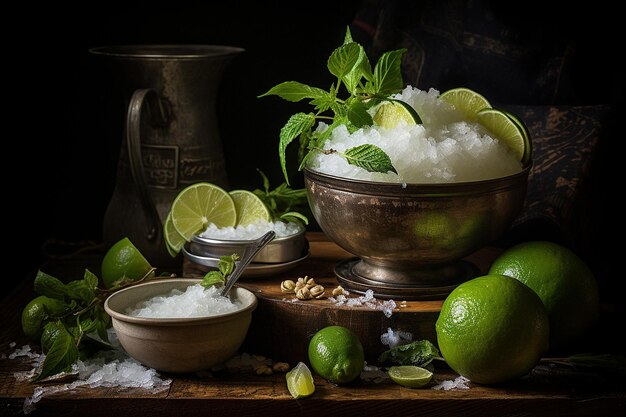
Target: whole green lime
{"x": 123, "y": 261}
{"x": 492, "y": 329}
{"x": 563, "y": 282}
{"x": 36, "y": 314}
{"x": 336, "y": 354}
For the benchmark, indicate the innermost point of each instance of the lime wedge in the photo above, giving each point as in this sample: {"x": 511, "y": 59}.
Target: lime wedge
{"x": 522, "y": 126}
{"x": 300, "y": 381}
{"x": 173, "y": 240}
{"x": 250, "y": 209}
{"x": 505, "y": 130}
{"x": 392, "y": 113}
{"x": 410, "y": 376}
{"x": 200, "y": 204}
{"x": 467, "y": 101}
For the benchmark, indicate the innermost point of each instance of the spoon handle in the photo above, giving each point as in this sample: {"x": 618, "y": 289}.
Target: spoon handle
{"x": 249, "y": 254}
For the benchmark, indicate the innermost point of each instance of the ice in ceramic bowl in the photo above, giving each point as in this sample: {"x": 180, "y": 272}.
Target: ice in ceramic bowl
{"x": 179, "y": 345}
{"x": 289, "y": 244}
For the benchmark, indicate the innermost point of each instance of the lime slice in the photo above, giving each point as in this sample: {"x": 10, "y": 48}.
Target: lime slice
{"x": 522, "y": 126}
{"x": 200, "y": 204}
{"x": 300, "y": 381}
{"x": 467, "y": 101}
{"x": 410, "y": 376}
{"x": 250, "y": 209}
{"x": 173, "y": 240}
{"x": 392, "y": 113}
{"x": 505, "y": 130}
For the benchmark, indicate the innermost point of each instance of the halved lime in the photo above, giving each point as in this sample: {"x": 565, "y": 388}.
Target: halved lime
{"x": 250, "y": 208}
{"x": 300, "y": 381}
{"x": 173, "y": 240}
{"x": 525, "y": 132}
{"x": 200, "y": 204}
{"x": 467, "y": 101}
{"x": 123, "y": 261}
{"x": 505, "y": 130}
{"x": 392, "y": 113}
{"x": 410, "y": 376}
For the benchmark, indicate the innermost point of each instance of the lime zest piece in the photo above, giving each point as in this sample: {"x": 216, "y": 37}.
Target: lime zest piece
{"x": 505, "y": 130}
{"x": 200, "y": 204}
{"x": 410, "y": 376}
{"x": 466, "y": 101}
{"x": 173, "y": 240}
{"x": 392, "y": 113}
{"x": 249, "y": 207}
{"x": 300, "y": 381}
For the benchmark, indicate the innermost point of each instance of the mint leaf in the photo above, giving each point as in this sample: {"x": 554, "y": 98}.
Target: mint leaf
{"x": 61, "y": 355}
{"x": 212, "y": 278}
{"x": 358, "y": 115}
{"x": 418, "y": 353}
{"x": 297, "y": 124}
{"x": 49, "y": 286}
{"x": 370, "y": 158}
{"x": 387, "y": 73}
{"x": 226, "y": 264}
{"x": 80, "y": 290}
{"x": 295, "y": 91}
{"x": 343, "y": 59}
{"x": 90, "y": 279}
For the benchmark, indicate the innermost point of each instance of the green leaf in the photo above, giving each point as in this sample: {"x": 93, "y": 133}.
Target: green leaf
{"x": 323, "y": 103}
{"x": 90, "y": 279}
{"x": 418, "y": 353}
{"x": 80, "y": 290}
{"x": 87, "y": 324}
{"x": 348, "y": 37}
{"x": 49, "y": 286}
{"x": 303, "y": 148}
{"x": 266, "y": 181}
{"x": 226, "y": 264}
{"x": 297, "y": 124}
{"x": 50, "y": 332}
{"x": 343, "y": 59}
{"x": 370, "y": 158}
{"x": 212, "y": 278}
{"x": 61, "y": 355}
{"x": 103, "y": 321}
{"x": 295, "y": 91}
{"x": 358, "y": 115}
{"x": 294, "y": 215}
{"x": 388, "y": 74}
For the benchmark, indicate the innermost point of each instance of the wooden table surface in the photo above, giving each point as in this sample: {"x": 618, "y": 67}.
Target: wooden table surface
{"x": 244, "y": 394}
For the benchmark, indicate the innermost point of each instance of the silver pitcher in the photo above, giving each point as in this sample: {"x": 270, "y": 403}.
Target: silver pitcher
{"x": 170, "y": 139}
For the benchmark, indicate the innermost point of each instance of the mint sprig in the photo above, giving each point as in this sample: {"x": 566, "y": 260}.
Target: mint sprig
{"x": 365, "y": 88}
{"x": 283, "y": 202}
{"x": 67, "y": 335}
{"x": 226, "y": 266}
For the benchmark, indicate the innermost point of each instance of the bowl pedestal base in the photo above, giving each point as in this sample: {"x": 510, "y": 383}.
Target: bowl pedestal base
{"x": 358, "y": 276}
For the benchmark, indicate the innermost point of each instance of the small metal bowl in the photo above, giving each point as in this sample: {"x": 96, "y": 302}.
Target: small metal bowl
{"x": 279, "y": 250}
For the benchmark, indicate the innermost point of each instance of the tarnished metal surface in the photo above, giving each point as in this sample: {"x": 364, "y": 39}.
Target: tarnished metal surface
{"x": 411, "y": 235}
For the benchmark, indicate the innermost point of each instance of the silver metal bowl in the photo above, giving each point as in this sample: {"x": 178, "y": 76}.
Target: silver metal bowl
{"x": 411, "y": 238}
{"x": 279, "y": 250}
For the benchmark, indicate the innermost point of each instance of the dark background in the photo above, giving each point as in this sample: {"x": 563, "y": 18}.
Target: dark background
{"x": 59, "y": 165}
{"x": 67, "y": 164}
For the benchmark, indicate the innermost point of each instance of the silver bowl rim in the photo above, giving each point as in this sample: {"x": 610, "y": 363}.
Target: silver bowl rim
{"x": 379, "y": 188}
{"x": 275, "y": 241}
{"x": 178, "y": 321}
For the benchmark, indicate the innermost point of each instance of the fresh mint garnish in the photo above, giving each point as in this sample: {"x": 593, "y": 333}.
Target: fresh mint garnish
{"x": 365, "y": 88}
{"x": 418, "y": 353}
{"x": 226, "y": 266}
{"x": 283, "y": 202}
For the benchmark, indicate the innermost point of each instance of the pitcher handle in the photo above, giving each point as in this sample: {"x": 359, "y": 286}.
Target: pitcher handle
{"x": 159, "y": 117}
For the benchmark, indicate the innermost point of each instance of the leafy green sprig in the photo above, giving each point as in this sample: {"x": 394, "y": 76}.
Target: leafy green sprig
{"x": 283, "y": 202}
{"x": 418, "y": 353}
{"x": 66, "y": 335}
{"x": 366, "y": 88}
{"x": 226, "y": 266}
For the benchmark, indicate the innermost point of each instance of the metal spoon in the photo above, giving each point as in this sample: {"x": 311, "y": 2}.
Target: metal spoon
{"x": 249, "y": 254}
